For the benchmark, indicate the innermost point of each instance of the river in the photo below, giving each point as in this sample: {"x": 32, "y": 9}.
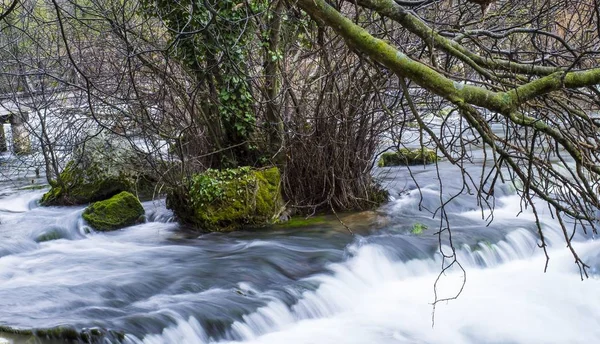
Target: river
{"x": 156, "y": 283}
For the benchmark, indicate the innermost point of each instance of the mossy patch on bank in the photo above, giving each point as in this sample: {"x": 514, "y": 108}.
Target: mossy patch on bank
{"x": 229, "y": 199}
{"x": 121, "y": 210}
{"x": 299, "y": 222}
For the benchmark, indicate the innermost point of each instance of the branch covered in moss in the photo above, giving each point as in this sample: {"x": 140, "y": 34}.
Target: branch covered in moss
{"x": 412, "y": 23}
{"x": 426, "y": 77}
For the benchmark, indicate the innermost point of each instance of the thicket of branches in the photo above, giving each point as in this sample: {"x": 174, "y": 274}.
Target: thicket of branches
{"x": 203, "y": 85}
{"x": 312, "y": 86}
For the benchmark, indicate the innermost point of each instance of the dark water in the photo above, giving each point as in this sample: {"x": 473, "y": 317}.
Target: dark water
{"x": 158, "y": 284}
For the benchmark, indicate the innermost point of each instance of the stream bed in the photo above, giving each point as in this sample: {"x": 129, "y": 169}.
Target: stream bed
{"x": 158, "y": 283}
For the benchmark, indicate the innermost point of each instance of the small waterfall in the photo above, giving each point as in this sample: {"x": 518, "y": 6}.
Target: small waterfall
{"x": 374, "y": 298}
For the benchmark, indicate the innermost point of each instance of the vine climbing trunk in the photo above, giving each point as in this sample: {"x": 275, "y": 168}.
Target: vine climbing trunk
{"x": 272, "y": 74}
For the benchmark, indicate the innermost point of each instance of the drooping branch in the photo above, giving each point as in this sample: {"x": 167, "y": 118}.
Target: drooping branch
{"x": 412, "y": 23}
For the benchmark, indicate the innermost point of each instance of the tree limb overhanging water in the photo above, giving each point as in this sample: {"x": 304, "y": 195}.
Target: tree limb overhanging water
{"x": 505, "y": 92}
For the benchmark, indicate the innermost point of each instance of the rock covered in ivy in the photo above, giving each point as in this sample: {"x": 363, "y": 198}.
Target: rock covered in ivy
{"x": 101, "y": 168}
{"x": 121, "y": 210}
{"x": 407, "y": 157}
{"x": 230, "y": 199}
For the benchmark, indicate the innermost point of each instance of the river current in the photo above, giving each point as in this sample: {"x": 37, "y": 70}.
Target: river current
{"x": 157, "y": 283}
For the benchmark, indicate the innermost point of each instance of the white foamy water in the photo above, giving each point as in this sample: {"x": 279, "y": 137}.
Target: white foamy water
{"x": 372, "y": 298}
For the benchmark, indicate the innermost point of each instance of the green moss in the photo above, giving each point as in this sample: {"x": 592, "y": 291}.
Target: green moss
{"x": 48, "y": 236}
{"x": 224, "y": 200}
{"x": 401, "y": 157}
{"x": 63, "y": 334}
{"x": 299, "y": 222}
{"x": 7, "y": 329}
{"x": 405, "y": 156}
{"x": 121, "y": 210}
{"x": 58, "y": 332}
{"x": 52, "y": 196}
{"x": 418, "y": 228}
{"x": 424, "y": 156}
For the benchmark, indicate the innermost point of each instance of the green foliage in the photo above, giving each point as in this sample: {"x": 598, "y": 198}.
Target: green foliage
{"x": 121, "y": 210}
{"x": 405, "y": 156}
{"x": 217, "y": 53}
{"x": 229, "y": 199}
{"x": 235, "y": 108}
{"x": 418, "y": 228}
{"x": 210, "y": 186}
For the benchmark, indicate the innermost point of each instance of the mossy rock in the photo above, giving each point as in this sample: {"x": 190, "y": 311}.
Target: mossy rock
{"x": 101, "y": 167}
{"x": 121, "y": 210}
{"x": 63, "y": 334}
{"x": 49, "y": 236}
{"x": 407, "y": 157}
{"x": 230, "y": 199}
{"x": 85, "y": 185}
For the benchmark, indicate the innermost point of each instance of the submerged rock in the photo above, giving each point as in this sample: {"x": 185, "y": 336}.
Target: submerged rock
{"x": 407, "y": 157}
{"x": 121, "y": 210}
{"x": 63, "y": 334}
{"x": 226, "y": 200}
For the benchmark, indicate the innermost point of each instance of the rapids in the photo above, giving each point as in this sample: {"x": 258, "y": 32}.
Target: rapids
{"x": 157, "y": 283}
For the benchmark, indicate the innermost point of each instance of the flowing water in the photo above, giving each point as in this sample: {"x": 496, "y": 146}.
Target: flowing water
{"x": 157, "y": 283}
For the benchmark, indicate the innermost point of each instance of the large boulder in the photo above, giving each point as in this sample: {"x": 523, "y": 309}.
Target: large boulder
{"x": 408, "y": 157}
{"x": 82, "y": 185}
{"x": 99, "y": 169}
{"x": 121, "y": 210}
{"x": 231, "y": 199}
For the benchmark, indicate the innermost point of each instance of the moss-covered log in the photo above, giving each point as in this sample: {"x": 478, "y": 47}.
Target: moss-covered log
{"x": 230, "y": 199}
{"x": 408, "y": 20}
